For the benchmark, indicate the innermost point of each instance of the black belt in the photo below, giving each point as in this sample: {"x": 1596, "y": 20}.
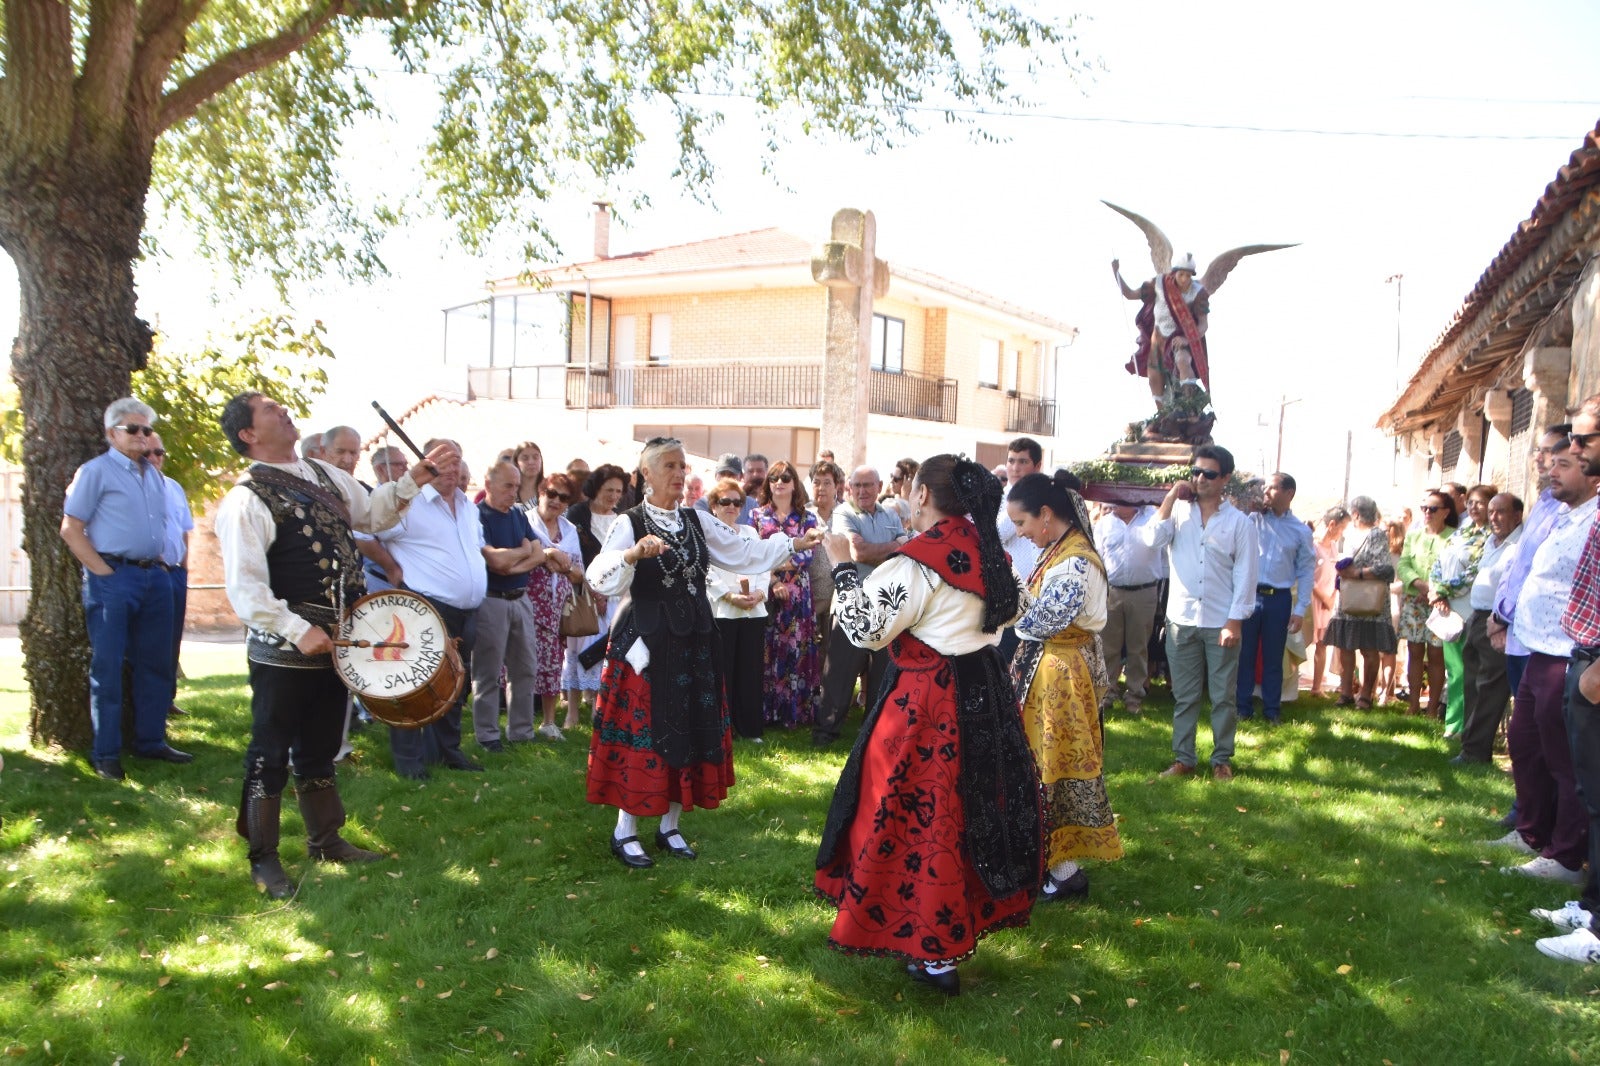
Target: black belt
{"x": 511, "y": 594}
{"x": 142, "y": 564}
{"x": 1587, "y": 654}
{"x": 1271, "y": 590}
{"x": 1136, "y": 588}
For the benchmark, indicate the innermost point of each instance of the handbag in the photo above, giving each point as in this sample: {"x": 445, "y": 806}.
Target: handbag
{"x": 1365, "y": 597}
{"x": 578, "y": 616}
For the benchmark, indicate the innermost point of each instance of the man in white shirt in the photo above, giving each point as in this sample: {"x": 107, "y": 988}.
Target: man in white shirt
{"x": 1482, "y": 664}
{"x": 1212, "y": 555}
{"x": 288, "y": 560}
{"x": 436, "y": 551}
{"x": 1024, "y": 456}
{"x": 1552, "y": 824}
{"x": 1135, "y": 572}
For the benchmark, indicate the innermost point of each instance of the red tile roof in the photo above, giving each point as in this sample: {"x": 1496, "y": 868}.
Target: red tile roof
{"x": 1578, "y": 179}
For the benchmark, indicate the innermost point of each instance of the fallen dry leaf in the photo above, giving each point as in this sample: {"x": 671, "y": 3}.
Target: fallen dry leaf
{"x": 349, "y": 1001}
{"x": 1283, "y": 1056}
{"x": 1132, "y": 1002}
{"x": 1056, "y": 1044}
{"x": 1346, "y": 968}
{"x": 491, "y": 953}
{"x": 272, "y": 986}
{"x": 586, "y": 997}
{"x": 445, "y": 994}
{"x": 164, "y": 980}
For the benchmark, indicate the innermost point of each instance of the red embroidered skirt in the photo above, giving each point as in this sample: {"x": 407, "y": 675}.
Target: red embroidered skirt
{"x": 624, "y": 769}
{"x": 902, "y": 878}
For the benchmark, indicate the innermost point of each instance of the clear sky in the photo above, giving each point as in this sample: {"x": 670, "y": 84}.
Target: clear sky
{"x": 1225, "y": 123}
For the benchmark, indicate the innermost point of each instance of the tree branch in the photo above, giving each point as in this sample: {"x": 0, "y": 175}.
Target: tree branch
{"x": 102, "y": 92}
{"x": 185, "y": 99}
{"x": 36, "y": 92}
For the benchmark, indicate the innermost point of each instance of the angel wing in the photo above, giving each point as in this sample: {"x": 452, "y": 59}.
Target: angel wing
{"x": 1219, "y": 269}
{"x": 1160, "y": 247}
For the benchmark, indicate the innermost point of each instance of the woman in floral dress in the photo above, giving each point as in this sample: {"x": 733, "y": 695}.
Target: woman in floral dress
{"x": 548, "y": 593}
{"x": 793, "y": 681}
{"x": 1421, "y": 551}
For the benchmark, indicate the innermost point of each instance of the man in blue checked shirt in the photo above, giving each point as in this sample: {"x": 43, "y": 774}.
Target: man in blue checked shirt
{"x": 115, "y": 524}
{"x": 1283, "y": 592}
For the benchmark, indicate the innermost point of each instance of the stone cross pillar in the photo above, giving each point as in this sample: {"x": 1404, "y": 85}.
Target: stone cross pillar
{"x": 848, "y": 265}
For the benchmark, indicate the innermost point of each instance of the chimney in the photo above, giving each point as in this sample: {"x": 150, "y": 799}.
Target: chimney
{"x": 602, "y": 229}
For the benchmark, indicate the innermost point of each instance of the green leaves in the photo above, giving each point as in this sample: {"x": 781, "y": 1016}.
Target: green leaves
{"x": 188, "y": 390}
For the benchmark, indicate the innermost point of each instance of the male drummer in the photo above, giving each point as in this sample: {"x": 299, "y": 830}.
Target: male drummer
{"x": 290, "y": 563}
{"x": 436, "y": 550}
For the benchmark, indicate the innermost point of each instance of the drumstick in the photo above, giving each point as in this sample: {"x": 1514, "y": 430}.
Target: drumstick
{"x": 370, "y": 644}
{"x": 407, "y": 441}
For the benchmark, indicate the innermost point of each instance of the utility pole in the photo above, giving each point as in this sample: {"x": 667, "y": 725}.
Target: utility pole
{"x": 1283, "y": 404}
{"x": 1399, "y": 283}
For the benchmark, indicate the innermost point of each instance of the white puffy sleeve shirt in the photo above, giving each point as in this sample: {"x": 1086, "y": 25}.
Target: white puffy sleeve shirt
{"x": 902, "y": 596}
{"x": 1073, "y": 593}
{"x": 246, "y": 530}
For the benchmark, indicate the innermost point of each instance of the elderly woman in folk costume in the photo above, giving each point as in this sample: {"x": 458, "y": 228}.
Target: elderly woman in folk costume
{"x": 933, "y": 837}
{"x": 661, "y": 740}
{"x": 1061, "y": 676}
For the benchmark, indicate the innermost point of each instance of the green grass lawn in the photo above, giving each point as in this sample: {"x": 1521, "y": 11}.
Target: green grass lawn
{"x": 1330, "y": 905}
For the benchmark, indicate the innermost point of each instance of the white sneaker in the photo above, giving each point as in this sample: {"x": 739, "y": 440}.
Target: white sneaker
{"x": 1570, "y": 916}
{"x": 1546, "y": 869}
{"x": 1511, "y": 840}
{"x": 1579, "y": 946}
{"x": 551, "y": 732}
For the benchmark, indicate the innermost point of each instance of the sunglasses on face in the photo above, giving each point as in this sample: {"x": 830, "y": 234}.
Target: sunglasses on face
{"x": 728, "y": 501}
{"x": 897, "y": 478}
{"x": 781, "y": 479}
{"x": 1209, "y": 475}
{"x": 552, "y": 494}
{"x": 1429, "y": 508}
{"x": 136, "y": 430}
{"x": 1581, "y": 440}
{"x": 159, "y": 453}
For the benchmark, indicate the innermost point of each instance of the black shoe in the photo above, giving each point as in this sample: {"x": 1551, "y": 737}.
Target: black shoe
{"x": 1074, "y": 887}
{"x": 166, "y": 753}
{"x": 412, "y": 773}
{"x": 109, "y": 769}
{"x": 176, "y": 710}
{"x": 948, "y": 982}
{"x": 1511, "y": 819}
{"x": 1465, "y": 760}
{"x": 681, "y": 851}
{"x": 454, "y": 760}
{"x": 493, "y": 745}
{"x": 637, "y": 862}
{"x": 270, "y": 879}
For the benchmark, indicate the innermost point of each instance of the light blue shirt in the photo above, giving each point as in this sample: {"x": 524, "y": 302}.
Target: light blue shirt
{"x": 180, "y": 520}
{"x": 1541, "y": 519}
{"x": 122, "y": 505}
{"x": 879, "y": 527}
{"x": 1288, "y": 556}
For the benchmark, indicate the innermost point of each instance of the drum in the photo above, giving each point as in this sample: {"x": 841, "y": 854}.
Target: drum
{"x": 415, "y": 677}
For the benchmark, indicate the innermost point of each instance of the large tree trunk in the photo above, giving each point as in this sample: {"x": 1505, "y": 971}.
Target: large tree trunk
{"x": 74, "y": 235}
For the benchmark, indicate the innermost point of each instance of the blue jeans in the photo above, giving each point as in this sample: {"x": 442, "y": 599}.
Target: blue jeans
{"x": 129, "y": 615}
{"x": 1266, "y": 631}
{"x": 179, "y": 580}
{"x": 1199, "y": 662}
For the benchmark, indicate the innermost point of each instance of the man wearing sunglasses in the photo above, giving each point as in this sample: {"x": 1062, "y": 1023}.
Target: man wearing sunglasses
{"x": 116, "y": 524}
{"x": 1212, "y": 557}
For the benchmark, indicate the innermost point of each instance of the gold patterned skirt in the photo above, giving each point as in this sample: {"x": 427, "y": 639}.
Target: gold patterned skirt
{"x": 1061, "y": 716}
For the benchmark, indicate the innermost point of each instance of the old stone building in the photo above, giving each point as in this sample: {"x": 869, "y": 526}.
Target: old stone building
{"x": 1523, "y": 348}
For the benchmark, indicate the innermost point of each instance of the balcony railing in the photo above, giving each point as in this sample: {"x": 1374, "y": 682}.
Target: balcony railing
{"x": 911, "y": 395}
{"x": 1030, "y": 414}
{"x": 699, "y": 385}
{"x": 516, "y": 382}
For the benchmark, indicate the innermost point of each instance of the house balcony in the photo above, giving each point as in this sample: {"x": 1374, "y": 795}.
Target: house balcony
{"x": 1026, "y": 413}
{"x": 734, "y": 385}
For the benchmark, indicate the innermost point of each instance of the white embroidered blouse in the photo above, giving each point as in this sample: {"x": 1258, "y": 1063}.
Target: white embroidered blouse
{"x": 901, "y": 596}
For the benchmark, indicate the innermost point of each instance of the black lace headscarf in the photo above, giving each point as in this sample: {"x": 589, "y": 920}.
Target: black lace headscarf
{"x": 960, "y": 486}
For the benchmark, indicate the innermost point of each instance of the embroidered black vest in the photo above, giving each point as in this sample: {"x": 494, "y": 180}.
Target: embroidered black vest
{"x": 312, "y": 551}
{"x": 669, "y": 591}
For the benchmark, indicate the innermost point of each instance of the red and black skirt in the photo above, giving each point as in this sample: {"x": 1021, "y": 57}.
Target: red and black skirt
{"x": 646, "y": 751}
{"x": 933, "y": 839}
